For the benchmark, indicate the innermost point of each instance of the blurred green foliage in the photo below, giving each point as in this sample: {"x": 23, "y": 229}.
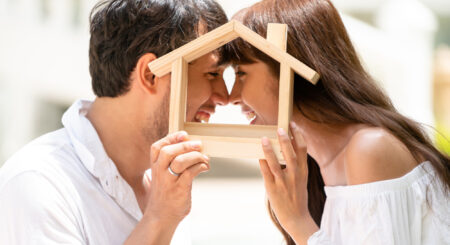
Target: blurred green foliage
{"x": 443, "y": 137}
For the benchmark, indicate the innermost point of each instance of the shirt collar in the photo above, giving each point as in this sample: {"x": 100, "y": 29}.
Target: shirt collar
{"x": 89, "y": 149}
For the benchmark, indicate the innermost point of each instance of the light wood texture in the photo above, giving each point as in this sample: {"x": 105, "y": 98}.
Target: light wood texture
{"x": 276, "y": 53}
{"x": 232, "y": 141}
{"x": 229, "y": 147}
{"x": 231, "y": 130}
{"x": 178, "y": 94}
{"x": 222, "y": 35}
{"x": 195, "y": 49}
{"x": 277, "y": 35}
{"x": 286, "y": 95}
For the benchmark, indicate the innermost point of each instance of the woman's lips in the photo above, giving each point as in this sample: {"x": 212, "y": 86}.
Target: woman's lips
{"x": 251, "y": 116}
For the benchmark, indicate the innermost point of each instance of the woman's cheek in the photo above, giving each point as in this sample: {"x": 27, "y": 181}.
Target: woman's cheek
{"x": 254, "y": 98}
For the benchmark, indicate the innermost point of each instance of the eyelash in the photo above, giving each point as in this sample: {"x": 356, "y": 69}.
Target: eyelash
{"x": 240, "y": 73}
{"x": 214, "y": 74}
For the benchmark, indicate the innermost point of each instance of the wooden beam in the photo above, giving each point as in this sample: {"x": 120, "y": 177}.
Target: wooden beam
{"x": 286, "y": 94}
{"x": 178, "y": 94}
{"x": 229, "y": 147}
{"x": 195, "y": 49}
{"x": 276, "y": 53}
{"x": 277, "y": 35}
{"x": 231, "y": 130}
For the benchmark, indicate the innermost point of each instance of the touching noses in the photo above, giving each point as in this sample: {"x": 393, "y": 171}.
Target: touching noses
{"x": 235, "y": 96}
{"x": 220, "y": 93}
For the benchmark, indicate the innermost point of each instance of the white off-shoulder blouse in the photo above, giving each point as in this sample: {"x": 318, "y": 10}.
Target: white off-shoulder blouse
{"x": 412, "y": 210}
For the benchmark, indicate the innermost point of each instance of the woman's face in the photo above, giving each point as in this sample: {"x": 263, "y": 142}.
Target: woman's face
{"x": 256, "y": 90}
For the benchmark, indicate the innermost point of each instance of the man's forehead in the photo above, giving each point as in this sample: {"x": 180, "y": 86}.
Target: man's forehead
{"x": 209, "y": 60}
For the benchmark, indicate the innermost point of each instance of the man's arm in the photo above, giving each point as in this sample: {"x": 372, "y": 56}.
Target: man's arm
{"x": 152, "y": 231}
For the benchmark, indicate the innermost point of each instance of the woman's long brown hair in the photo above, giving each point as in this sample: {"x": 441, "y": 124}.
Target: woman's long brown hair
{"x": 345, "y": 94}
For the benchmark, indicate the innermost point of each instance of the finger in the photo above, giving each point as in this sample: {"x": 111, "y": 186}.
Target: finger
{"x": 265, "y": 172}
{"x": 168, "y": 140}
{"x": 298, "y": 143}
{"x": 169, "y": 152}
{"x": 187, "y": 177}
{"x": 298, "y": 140}
{"x": 185, "y": 161}
{"x": 271, "y": 158}
{"x": 287, "y": 150}
{"x": 268, "y": 178}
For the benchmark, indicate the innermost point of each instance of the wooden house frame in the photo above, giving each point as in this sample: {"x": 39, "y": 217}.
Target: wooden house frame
{"x": 223, "y": 140}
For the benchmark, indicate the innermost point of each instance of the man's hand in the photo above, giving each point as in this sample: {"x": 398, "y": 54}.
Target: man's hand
{"x": 170, "y": 195}
{"x": 169, "y": 199}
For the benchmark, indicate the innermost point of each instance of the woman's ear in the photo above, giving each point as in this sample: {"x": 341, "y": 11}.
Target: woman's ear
{"x": 145, "y": 77}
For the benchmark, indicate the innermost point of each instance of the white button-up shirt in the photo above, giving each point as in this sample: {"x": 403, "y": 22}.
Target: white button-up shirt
{"x": 62, "y": 188}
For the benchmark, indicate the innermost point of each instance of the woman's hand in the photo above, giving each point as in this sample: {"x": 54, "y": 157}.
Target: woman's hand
{"x": 287, "y": 188}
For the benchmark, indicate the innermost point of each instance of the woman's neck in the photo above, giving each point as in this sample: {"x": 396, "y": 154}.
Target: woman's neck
{"x": 326, "y": 143}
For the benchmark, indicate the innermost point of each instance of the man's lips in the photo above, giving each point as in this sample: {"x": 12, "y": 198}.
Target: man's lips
{"x": 203, "y": 116}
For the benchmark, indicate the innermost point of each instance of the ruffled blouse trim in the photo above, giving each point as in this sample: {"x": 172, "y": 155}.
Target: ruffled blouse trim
{"x": 422, "y": 170}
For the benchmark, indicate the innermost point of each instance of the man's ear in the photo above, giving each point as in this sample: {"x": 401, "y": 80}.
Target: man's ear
{"x": 145, "y": 77}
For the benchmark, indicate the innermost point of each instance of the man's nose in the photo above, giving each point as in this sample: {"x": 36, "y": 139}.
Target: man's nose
{"x": 220, "y": 93}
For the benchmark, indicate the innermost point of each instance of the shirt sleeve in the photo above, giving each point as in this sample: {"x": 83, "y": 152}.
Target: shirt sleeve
{"x": 34, "y": 210}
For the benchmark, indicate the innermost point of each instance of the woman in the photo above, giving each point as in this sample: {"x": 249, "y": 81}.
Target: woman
{"x": 385, "y": 183}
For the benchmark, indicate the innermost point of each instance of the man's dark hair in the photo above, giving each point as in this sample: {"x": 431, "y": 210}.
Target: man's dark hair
{"x": 124, "y": 30}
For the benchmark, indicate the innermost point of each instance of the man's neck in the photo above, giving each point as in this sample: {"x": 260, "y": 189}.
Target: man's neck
{"x": 119, "y": 131}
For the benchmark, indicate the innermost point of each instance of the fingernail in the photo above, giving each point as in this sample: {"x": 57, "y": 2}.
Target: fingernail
{"x": 196, "y": 145}
{"x": 181, "y": 136}
{"x": 281, "y": 132}
{"x": 293, "y": 125}
{"x": 265, "y": 141}
{"x": 205, "y": 166}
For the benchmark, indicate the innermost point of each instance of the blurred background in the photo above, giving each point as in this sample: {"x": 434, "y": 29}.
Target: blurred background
{"x": 404, "y": 44}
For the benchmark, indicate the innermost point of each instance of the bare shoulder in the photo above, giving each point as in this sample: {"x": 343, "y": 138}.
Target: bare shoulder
{"x": 374, "y": 154}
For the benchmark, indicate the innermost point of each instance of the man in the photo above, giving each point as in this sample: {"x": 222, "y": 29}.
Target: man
{"x": 88, "y": 182}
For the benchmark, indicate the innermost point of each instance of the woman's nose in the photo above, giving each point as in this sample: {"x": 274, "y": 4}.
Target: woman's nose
{"x": 235, "y": 96}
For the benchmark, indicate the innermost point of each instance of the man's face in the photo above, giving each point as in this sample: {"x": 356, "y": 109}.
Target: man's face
{"x": 206, "y": 88}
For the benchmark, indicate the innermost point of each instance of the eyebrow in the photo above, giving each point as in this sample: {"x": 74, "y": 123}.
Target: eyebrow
{"x": 214, "y": 65}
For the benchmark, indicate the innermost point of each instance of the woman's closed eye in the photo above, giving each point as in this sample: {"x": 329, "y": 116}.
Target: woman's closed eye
{"x": 240, "y": 73}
